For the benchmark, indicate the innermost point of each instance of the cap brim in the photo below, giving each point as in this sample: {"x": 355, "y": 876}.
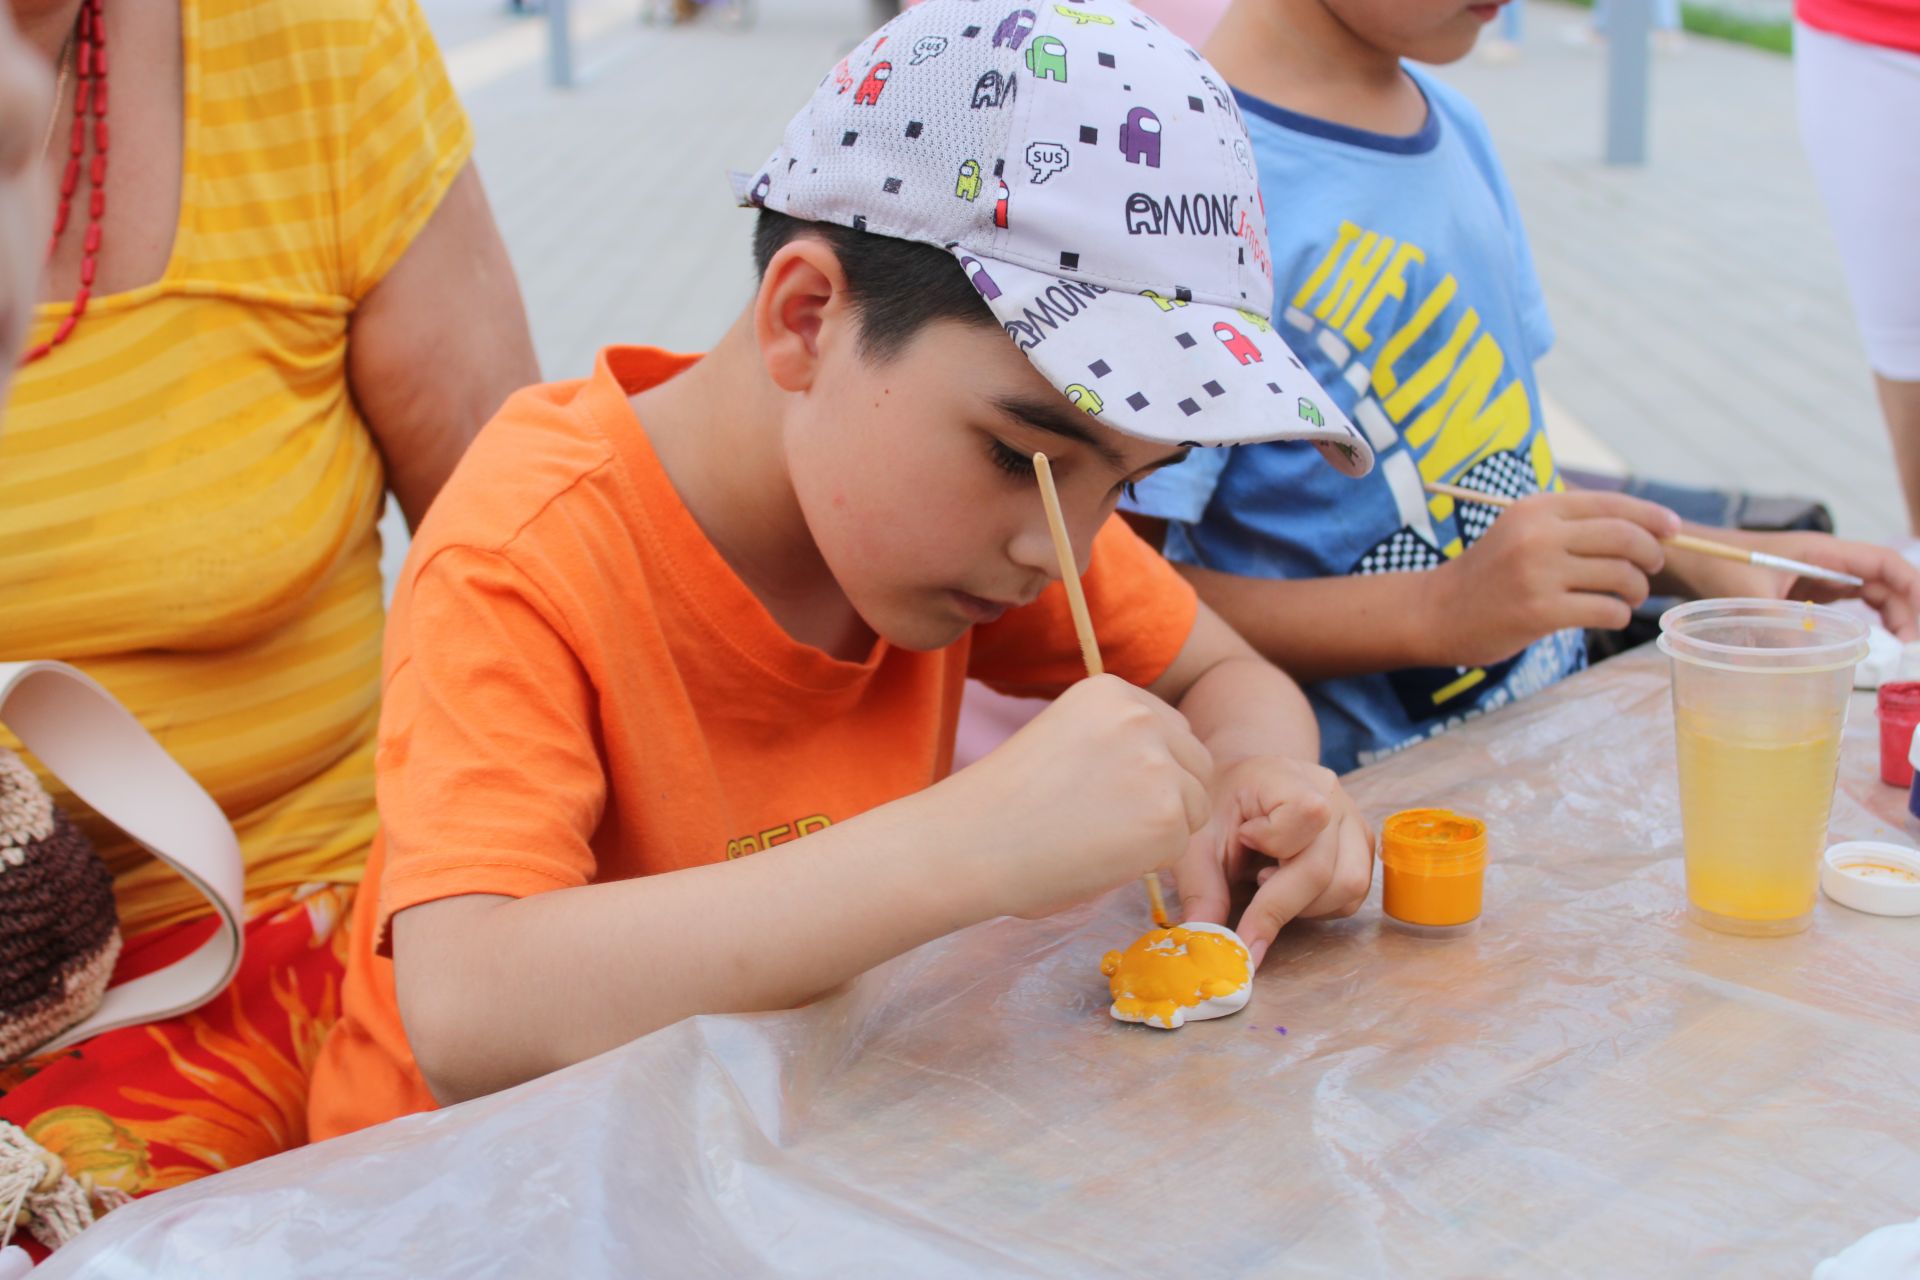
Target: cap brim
{"x": 1179, "y": 372}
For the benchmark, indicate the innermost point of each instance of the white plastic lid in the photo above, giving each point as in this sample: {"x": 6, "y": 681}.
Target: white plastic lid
{"x": 1873, "y": 876}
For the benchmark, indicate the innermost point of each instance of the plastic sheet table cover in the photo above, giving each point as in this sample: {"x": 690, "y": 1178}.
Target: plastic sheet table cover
{"x": 1589, "y": 1086}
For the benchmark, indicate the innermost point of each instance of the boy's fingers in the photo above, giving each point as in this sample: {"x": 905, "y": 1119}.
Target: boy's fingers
{"x": 1896, "y": 612}
{"x": 1192, "y": 756}
{"x": 1199, "y": 805}
{"x": 1188, "y": 751}
{"x": 1592, "y": 504}
{"x": 1288, "y": 828}
{"x": 1900, "y": 575}
{"x": 1195, "y": 761}
{"x": 1204, "y": 895}
{"x": 1617, "y": 539}
{"x": 1287, "y": 892}
{"x": 1288, "y": 807}
{"x": 1590, "y": 611}
{"x": 1892, "y": 583}
{"x": 1617, "y": 578}
{"x": 1352, "y": 875}
{"x": 1895, "y": 583}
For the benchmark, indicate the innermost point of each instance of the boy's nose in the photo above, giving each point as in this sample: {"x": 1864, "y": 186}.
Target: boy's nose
{"x": 1032, "y": 550}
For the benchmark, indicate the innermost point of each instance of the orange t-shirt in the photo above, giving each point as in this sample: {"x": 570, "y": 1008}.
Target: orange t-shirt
{"x": 579, "y": 689}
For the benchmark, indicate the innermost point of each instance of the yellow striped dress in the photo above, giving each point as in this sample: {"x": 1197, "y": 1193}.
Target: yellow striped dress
{"x": 187, "y": 493}
{"x": 188, "y": 499}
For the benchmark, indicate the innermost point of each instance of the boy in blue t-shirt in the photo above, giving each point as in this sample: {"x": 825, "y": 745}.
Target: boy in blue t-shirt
{"x": 1403, "y": 280}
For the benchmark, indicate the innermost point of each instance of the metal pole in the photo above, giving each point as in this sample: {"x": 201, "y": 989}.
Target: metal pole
{"x": 1628, "y": 24}
{"x": 560, "y": 45}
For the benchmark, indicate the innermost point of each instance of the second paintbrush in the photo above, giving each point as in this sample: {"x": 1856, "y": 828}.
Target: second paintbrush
{"x": 1686, "y": 542}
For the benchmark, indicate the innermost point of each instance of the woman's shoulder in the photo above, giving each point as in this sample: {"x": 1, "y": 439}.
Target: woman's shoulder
{"x": 322, "y": 132}
{"x": 290, "y": 16}
{"x": 309, "y": 41}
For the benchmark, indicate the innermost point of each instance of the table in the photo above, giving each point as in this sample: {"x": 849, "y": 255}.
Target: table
{"x": 1589, "y": 1086}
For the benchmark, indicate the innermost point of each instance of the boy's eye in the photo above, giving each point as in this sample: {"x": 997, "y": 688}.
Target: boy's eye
{"x": 1131, "y": 490}
{"x": 1011, "y": 461}
{"x": 1016, "y": 463}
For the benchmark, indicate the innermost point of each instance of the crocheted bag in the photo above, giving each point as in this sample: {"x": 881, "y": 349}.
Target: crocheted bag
{"x": 59, "y": 934}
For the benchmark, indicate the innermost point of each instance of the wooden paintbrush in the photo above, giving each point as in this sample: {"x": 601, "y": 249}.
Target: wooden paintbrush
{"x": 1083, "y": 627}
{"x": 1684, "y": 541}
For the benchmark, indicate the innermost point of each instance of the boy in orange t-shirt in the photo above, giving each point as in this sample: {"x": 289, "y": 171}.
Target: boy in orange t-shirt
{"x": 673, "y": 669}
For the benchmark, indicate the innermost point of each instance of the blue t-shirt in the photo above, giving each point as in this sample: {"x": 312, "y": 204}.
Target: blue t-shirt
{"x": 1402, "y": 278}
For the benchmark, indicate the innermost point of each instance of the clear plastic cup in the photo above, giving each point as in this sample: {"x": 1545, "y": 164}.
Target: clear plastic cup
{"x": 1760, "y": 691}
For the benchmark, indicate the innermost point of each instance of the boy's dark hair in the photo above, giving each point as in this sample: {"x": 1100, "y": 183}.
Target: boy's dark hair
{"x": 897, "y": 286}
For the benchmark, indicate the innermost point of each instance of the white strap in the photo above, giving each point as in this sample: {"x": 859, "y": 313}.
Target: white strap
{"x": 95, "y": 746}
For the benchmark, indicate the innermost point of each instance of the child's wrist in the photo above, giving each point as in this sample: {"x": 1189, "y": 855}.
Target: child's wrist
{"x": 1431, "y": 622}
{"x": 952, "y": 846}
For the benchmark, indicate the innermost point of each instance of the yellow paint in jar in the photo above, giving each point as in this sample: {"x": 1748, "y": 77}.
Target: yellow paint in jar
{"x": 1435, "y": 864}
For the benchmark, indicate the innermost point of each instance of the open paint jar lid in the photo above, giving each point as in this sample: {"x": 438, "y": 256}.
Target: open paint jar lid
{"x": 1873, "y": 876}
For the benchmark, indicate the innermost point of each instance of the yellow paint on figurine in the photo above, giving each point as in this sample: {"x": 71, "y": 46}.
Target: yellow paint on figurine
{"x": 1183, "y": 974}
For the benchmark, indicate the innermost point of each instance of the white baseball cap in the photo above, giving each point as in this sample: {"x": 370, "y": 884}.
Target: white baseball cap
{"x": 1092, "y": 175}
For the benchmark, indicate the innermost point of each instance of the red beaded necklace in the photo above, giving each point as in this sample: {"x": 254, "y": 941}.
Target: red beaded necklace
{"x": 89, "y": 93}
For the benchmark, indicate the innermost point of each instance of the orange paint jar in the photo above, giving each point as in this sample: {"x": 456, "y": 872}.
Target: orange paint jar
{"x": 1435, "y": 864}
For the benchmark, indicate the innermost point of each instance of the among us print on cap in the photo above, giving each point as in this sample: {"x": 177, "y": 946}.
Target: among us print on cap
{"x": 1092, "y": 175}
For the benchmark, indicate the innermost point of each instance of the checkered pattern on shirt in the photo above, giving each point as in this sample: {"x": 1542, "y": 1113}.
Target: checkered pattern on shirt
{"x": 1404, "y": 552}
{"x": 1507, "y": 474}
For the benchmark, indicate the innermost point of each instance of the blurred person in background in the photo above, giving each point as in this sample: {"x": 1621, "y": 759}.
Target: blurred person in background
{"x": 1857, "y": 64}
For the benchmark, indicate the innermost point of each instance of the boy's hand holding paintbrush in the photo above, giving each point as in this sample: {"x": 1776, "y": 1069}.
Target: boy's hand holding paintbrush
{"x": 1587, "y": 559}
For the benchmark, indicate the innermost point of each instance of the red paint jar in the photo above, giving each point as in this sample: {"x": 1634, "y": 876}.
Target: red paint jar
{"x": 1899, "y": 710}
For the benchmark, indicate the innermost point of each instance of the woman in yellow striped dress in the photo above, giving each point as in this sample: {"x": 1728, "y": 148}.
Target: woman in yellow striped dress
{"x": 278, "y": 293}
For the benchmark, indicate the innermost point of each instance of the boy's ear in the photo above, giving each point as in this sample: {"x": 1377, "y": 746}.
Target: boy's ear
{"x": 801, "y": 312}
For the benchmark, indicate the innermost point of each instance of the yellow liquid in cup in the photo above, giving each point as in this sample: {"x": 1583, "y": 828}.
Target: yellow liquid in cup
{"x": 1756, "y": 823}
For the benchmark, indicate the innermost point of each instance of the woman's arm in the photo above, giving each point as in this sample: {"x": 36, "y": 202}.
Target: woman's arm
{"x": 438, "y": 344}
